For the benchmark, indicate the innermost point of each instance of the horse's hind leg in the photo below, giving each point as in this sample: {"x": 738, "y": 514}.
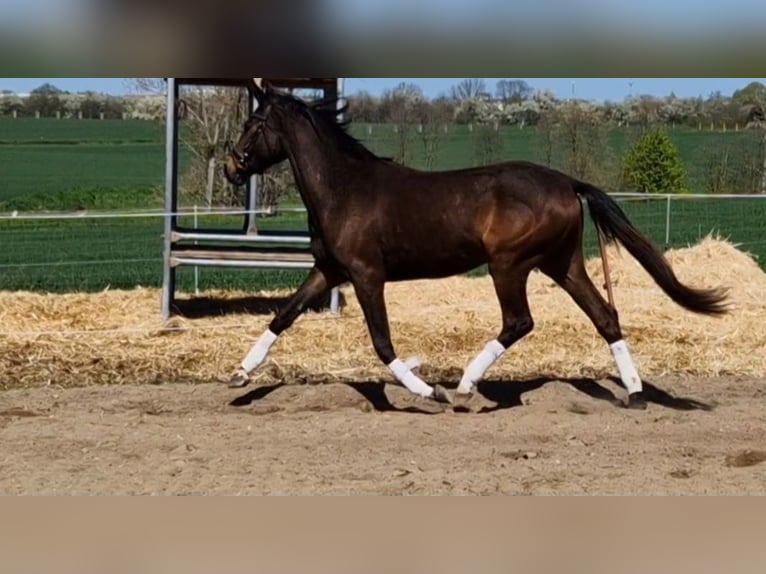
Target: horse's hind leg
{"x": 511, "y": 288}
{"x": 576, "y": 282}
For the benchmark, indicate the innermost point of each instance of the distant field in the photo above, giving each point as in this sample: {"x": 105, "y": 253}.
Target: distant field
{"x": 65, "y": 164}
{"x": 80, "y": 161}
{"x": 52, "y": 170}
{"x": 34, "y": 131}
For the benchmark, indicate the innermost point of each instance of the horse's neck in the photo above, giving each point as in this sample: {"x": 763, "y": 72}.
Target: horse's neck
{"x": 314, "y": 168}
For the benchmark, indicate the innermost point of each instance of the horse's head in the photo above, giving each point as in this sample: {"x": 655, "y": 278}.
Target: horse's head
{"x": 260, "y": 145}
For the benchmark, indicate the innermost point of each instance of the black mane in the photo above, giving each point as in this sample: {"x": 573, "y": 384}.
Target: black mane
{"x": 325, "y": 116}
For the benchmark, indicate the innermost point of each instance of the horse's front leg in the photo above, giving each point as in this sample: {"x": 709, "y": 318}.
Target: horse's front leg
{"x": 372, "y": 300}
{"x": 317, "y": 283}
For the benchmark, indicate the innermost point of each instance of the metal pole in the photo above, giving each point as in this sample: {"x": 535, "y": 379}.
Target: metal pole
{"x": 171, "y": 195}
{"x": 335, "y": 295}
{"x": 196, "y": 269}
{"x": 251, "y": 227}
{"x": 667, "y": 222}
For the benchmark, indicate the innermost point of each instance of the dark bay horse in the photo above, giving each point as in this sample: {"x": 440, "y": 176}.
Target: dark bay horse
{"x": 374, "y": 221}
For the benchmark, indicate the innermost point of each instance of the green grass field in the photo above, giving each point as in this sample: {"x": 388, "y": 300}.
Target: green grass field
{"x": 50, "y": 164}
{"x": 66, "y": 164}
{"x": 61, "y": 165}
{"x": 48, "y": 130}
{"x": 92, "y": 255}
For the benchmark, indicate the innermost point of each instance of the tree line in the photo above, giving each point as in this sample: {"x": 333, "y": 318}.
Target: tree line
{"x": 514, "y": 102}
{"x": 510, "y": 102}
{"x": 48, "y": 101}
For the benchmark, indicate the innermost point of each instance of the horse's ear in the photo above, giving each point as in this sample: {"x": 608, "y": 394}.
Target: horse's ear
{"x": 258, "y": 91}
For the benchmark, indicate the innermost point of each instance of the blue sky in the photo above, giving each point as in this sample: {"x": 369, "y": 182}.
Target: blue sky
{"x": 645, "y": 16}
{"x": 590, "y": 88}
{"x": 676, "y": 15}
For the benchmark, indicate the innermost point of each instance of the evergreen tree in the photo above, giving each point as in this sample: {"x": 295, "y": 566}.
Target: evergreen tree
{"x": 653, "y": 165}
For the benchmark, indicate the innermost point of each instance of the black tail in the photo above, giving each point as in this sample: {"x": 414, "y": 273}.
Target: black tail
{"x": 614, "y": 224}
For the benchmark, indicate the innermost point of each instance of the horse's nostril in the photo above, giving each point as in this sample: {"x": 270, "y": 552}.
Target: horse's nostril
{"x": 237, "y": 156}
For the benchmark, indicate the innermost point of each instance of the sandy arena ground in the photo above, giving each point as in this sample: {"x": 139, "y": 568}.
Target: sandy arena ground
{"x": 86, "y": 407}
{"x": 699, "y": 436}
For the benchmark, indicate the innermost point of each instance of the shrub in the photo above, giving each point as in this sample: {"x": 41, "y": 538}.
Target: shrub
{"x": 653, "y": 165}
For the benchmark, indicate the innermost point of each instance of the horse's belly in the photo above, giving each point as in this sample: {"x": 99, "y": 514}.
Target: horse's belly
{"x": 433, "y": 264}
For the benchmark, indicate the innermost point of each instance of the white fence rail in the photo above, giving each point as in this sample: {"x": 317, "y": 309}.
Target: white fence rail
{"x": 90, "y": 251}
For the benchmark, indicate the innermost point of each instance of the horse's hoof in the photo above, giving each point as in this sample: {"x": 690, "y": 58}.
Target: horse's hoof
{"x": 441, "y": 395}
{"x": 239, "y": 380}
{"x": 413, "y": 363}
{"x": 465, "y": 395}
{"x": 637, "y": 402}
{"x": 464, "y": 402}
{"x": 464, "y": 398}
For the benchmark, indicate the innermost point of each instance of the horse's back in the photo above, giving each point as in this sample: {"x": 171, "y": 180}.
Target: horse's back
{"x": 507, "y": 185}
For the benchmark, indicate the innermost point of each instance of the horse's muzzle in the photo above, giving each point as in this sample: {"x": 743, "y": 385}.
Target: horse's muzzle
{"x": 234, "y": 171}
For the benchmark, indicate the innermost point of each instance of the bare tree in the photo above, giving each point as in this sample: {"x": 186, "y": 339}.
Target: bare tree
{"x": 579, "y": 127}
{"x": 212, "y": 116}
{"x": 488, "y": 144}
{"x": 573, "y": 138}
{"x": 432, "y": 117}
{"x": 547, "y": 134}
{"x": 215, "y": 115}
{"x": 513, "y": 91}
{"x": 44, "y": 100}
{"x": 275, "y": 184}
{"x": 735, "y": 167}
{"x": 763, "y": 163}
{"x": 751, "y": 102}
{"x": 469, "y": 89}
{"x": 398, "y": 107}
{"x": 365, "y": 108}
{"x": 755, "y": 107}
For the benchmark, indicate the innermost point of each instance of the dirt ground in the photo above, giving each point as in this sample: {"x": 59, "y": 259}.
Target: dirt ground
{"x": 518, "y": 437}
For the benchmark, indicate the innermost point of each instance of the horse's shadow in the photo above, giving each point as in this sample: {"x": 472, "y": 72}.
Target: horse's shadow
{"x": 374, "y": 393}
{"x": 205, "y": 307}
{"x": 506, "y": 394}
{"x": 255, "y": 395}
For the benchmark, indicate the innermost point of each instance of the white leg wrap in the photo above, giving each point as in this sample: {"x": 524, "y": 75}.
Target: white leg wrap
{"x": 480, "y": 365}
{"x": 405, "y": 376}
{"x": 627, "y": 368}
{"x": 259, "y": 352}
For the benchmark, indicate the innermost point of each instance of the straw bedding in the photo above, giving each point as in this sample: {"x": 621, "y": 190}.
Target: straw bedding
{"x": 118, "y": 338}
